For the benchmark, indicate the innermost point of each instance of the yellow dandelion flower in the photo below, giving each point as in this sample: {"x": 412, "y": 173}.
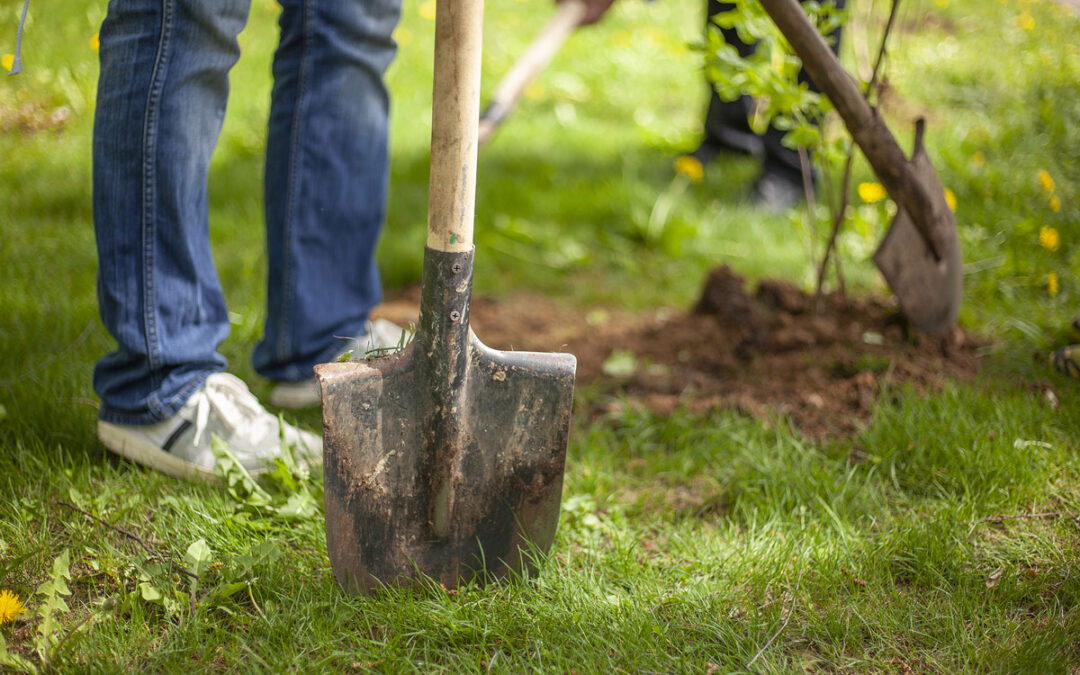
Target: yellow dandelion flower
{"x": 1049, "y": 238}
{"x": 95, "y": 42}
{"x": 1055, "y": 203}
{"x": 1025, "y": 21}
{"x": 978, "y": 160}
{"x": 942, "y": 3}
{"x": 950, "y": 199}
{"x": 1051, "y": 284}
{"x": 427, "y": 9}
{"x": 872, "y": 192}
{"x": 690, "y": 167}
{"x": 1046, "y": 180}
{"x": 10, "y": 607}
{"x": 8, "y": 61}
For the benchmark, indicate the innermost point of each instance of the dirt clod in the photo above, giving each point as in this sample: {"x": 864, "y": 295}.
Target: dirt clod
{"x": 782, "y": 295}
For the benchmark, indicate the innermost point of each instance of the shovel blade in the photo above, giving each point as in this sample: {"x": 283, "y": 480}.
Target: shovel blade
{"x": 929, "y": 290}
{"x": 929, "y": 287}
{"x": 463, "y": 488}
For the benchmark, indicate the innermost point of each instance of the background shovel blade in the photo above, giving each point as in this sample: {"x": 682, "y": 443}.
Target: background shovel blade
{"x": 452, "y": 490}
{"x": 929, "y": 288}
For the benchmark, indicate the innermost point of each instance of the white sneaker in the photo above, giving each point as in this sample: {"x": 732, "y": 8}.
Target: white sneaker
{"x": 382, "y": 336}
{"x": 180, "y": 446}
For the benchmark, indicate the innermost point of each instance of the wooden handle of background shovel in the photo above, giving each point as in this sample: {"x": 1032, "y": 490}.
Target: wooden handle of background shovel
{"x": 866, "y": 126}
{"x": 537, "y": 57}
{"x": 455, "y": 109}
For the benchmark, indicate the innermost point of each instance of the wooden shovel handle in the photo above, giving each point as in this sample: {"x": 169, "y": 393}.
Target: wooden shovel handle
{"x": 865, "y": 124}
{"x": 455, "y": 109}
{"x": 536, "y": 57}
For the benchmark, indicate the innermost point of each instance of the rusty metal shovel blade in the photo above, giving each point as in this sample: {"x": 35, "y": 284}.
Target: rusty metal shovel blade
{"x": 928, "y": 287}
{"x": 444, "y": 460}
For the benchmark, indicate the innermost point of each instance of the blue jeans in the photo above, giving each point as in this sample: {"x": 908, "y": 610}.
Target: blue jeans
{"x": 160, "y": 105}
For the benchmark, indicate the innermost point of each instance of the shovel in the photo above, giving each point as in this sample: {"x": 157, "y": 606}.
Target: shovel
{"x": 537, "y": 57}
{"x": 920, "y": 254}
{"x": 445, "y": 460}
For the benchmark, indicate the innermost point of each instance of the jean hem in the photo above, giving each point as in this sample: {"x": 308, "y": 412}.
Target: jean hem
{"x": 295, "y": 372}
{"x": 156, "y": 411}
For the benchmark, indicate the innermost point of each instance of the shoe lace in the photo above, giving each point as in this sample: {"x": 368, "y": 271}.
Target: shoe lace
{"x": 228, "y": 397}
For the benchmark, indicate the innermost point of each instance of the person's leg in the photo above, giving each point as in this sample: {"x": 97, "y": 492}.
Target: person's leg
{"x": 727, "y": 126}
{"x": 160, "y": 105}
{"x": 326, "y": 179}
{"x": 781, "y": 175}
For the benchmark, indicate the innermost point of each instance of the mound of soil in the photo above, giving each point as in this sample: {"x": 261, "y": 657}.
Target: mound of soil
{"x": 772, "y": 352}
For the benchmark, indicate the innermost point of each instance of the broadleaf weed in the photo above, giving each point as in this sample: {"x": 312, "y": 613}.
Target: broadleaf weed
{"x": 290, "y": 492}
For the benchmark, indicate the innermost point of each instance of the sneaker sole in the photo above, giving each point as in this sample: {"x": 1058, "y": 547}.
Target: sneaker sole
{"x": 149, "y": 455}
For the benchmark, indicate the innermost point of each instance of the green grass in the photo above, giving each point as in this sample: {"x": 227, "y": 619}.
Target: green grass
{"x": 944, "y": 538}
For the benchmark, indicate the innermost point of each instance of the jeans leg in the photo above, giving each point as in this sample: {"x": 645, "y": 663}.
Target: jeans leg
{"x": 326, "y": 179}
{"x": 160, "y": 105}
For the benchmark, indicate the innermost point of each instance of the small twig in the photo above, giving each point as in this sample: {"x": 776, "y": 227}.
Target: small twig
{"x": 827, "y": 175}
{"x": 116, "y": 528}
{"x": 791, "y": 611}
{"x": 131, "y": 535}
{"x": 808, "y": 188}
{"x": 838, "y": 221}
{"x": 882, "y": 50}
{"x": 838, "y": 212}
{"x": 840, "y": 283}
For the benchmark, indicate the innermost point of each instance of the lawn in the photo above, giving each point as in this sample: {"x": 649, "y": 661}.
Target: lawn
{"x": 943, "y": 536}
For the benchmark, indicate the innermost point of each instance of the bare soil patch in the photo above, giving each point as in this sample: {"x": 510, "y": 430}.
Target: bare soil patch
{"x": 764, "y": 353}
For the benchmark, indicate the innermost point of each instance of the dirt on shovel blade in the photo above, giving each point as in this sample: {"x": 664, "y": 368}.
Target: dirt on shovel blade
{"x": 766, "y": 354}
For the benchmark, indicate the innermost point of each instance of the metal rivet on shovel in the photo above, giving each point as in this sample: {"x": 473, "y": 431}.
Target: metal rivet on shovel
{"x": 920, "y": 254}
{"x": 445, "y": 460}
